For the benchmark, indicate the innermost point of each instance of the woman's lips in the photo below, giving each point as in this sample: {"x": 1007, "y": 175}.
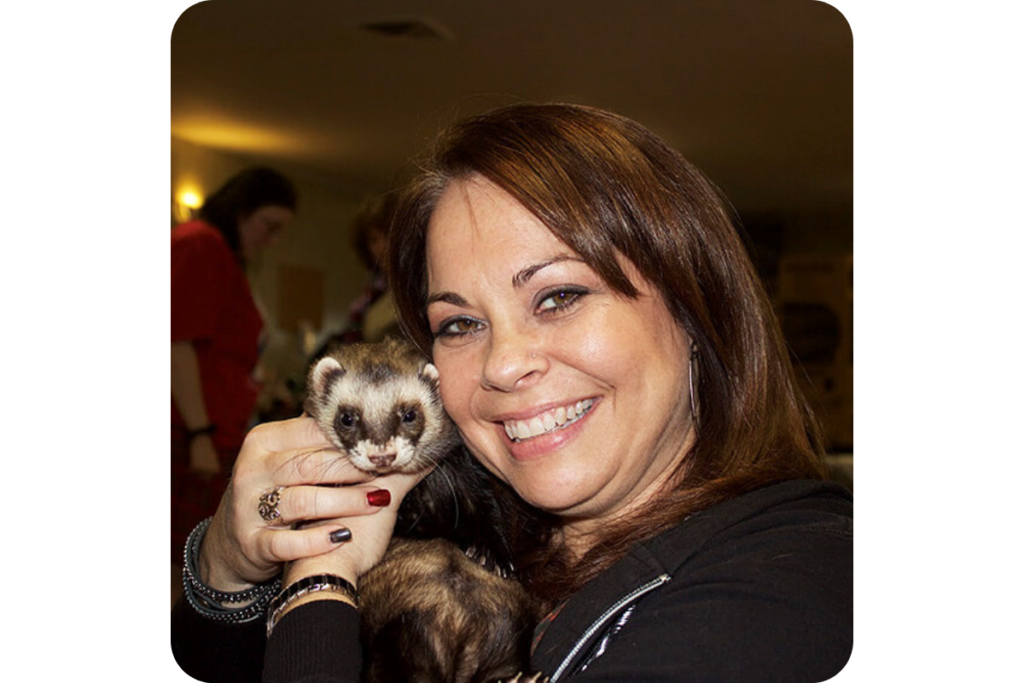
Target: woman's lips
{"x": 546, "y": 431}
{"x": 548, "y": 421}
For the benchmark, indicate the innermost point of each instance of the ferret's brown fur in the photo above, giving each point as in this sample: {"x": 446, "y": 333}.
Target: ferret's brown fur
{"x": 432, "y": 614}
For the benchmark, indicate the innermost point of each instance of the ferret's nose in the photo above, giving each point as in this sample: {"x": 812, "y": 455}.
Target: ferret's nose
{"x": 383, "y": 459}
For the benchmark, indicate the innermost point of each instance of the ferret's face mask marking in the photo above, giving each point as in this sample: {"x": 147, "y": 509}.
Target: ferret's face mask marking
{"x": 383, "y": 440}
{"x": 382, "y": 409}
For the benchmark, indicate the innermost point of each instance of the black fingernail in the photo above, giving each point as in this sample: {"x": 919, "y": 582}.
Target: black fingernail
{"x": 340, "y": 536}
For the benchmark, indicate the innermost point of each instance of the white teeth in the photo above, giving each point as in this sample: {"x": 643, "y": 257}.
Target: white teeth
{"x": 536, "y": 427}
{"x": 558, "y": 418}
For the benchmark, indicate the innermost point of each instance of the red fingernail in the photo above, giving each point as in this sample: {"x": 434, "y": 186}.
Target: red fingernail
{"x": 379, "y": 498}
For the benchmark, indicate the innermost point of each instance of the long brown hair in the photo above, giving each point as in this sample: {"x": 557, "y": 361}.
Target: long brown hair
{"x": 606, "y": 186}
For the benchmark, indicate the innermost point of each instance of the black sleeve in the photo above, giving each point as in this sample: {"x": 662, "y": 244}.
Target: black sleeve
{"x": 215, "y": 652}
{"x": 315, "y": 643}
{"x": 774, "y": 605}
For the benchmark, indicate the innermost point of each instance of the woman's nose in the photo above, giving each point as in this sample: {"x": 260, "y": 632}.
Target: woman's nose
{"x": 512, "y": 358}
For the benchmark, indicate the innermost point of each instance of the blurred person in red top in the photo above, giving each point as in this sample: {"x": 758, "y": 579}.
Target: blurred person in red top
{"x": 215, "y": 337}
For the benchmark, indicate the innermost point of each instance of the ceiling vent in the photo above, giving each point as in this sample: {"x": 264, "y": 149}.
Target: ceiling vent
{"x": 414, "y": 29}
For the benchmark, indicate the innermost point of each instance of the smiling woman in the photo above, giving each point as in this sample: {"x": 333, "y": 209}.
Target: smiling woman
{"x": 593, "y": 207}
{"x": 563, "y": 261}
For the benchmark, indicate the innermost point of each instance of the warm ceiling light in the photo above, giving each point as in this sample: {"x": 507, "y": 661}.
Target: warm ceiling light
{"x": 190, "y": 199}
{"x": 185, "y": 203}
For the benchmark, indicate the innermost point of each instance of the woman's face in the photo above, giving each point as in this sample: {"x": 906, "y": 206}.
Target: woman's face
{"x": 260, "y": 229}
{"x": 573, "y": 394}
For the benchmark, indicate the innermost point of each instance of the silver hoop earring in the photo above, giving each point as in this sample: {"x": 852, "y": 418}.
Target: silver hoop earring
{"x": 693, "y": 403}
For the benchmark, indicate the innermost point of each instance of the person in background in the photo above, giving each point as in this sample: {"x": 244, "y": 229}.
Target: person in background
{"x": 215, "y": 336}
{"x": 371, "y": 317}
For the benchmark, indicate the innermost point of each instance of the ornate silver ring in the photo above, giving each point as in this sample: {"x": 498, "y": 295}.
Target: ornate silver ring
{"x": 268, "y": 505}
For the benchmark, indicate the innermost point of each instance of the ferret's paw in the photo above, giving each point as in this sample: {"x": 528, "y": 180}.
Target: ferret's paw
{"x": 484, "y": 559}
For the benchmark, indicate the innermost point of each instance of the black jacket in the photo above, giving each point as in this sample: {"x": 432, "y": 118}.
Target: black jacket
{"x": 759, "y": 588}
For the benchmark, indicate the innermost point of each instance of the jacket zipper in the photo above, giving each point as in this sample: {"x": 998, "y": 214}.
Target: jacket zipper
{"x": 632, "y": 596}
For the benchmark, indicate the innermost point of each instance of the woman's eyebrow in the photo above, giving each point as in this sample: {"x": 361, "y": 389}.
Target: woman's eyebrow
{"x": 446, "y": 297}
{"x": 523, "y": 276}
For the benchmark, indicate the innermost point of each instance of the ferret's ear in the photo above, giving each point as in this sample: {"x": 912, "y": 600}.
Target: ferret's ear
{"x": 430, "y": 372}
{"x": 324, "y": 374}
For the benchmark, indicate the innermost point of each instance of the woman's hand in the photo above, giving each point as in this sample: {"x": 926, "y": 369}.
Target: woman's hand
{"x": 318, "y": 485}
{"x": 370, "y": 537}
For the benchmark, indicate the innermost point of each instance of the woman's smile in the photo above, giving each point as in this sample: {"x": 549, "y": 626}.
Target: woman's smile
{"x": 546, "y": 431}
{"x": 546, "y": 422}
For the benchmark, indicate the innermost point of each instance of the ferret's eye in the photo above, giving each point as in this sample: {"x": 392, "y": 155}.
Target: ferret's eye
{"x": 347, "y": 420}
{"x": 410, "y": 416}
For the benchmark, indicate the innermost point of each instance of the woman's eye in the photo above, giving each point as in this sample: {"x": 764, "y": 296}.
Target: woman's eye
{"x": 560, "y": 299}
{"x": 457, "y": 327}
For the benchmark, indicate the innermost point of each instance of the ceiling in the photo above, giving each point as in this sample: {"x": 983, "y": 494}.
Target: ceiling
{"x": 758, "y": 93}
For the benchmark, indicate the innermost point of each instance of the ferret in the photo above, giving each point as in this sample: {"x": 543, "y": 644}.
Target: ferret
{"x": 379, "y": 404}
{"x": 440, "y": 606}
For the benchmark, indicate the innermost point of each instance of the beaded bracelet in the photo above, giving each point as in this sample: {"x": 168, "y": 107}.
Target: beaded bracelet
{"x": 310, "y": 584}
{"x": 208, "y": 601}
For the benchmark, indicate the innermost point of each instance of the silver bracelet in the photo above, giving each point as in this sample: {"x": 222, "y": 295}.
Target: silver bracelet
{"x": 208, "y": 601}
{"x": 310, "y": 584}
